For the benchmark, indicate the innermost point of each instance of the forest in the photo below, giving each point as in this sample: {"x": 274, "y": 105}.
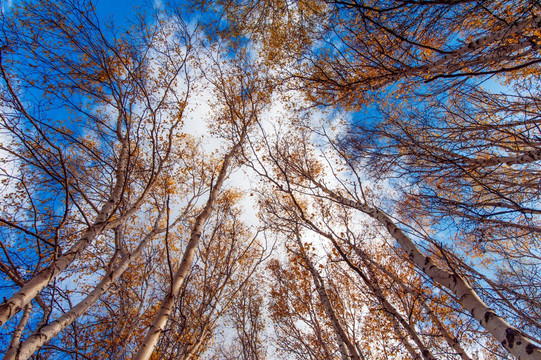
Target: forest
{"x": 270, "y": 179}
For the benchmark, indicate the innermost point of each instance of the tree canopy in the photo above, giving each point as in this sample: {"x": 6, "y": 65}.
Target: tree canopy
{"x": 240, "y": 179}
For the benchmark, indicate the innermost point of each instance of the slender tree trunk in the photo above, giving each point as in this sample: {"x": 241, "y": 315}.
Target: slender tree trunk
{"x": 164, "y": 312}
{"x": 391, "y": 310}
{"x": 14, "y": 346}
{"x": 18, "y": 279}
{"x": 404, "y": 340}
{"x": 503, "y": 332}
{"x": 451, "y": 340}
{"x": 190, "y": 354}
{"x": 376, "y": 291}
{"x": 34, "y": 286}
{"x": 347, "y": 349}
{"x": 425, "y": 352}
{"x": 43, "y": 334}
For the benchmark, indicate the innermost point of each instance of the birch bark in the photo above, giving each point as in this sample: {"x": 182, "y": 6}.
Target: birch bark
{"x": 34, "y": 286}
{"x": 43, "y": 334}
{"x": 503, "y": 332}
{"x": 164, "y": 312}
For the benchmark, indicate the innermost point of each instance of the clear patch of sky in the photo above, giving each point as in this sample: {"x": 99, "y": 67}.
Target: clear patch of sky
{"x": 121, "y": 10}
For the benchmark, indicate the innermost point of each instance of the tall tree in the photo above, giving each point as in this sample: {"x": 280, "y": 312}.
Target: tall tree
{"x": 298, "y": 174}
{"x": 106, "y": 182}
{"x": 91, "y": 141}
{"x": 475, "y": 168}
{"x": 241, "y": 98}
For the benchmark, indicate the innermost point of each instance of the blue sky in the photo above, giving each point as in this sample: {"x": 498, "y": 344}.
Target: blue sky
{"x": 119, "y": 9}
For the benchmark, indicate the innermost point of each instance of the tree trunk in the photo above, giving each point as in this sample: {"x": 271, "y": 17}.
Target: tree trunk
{"x": 347, "y": 349}
{"x": 33, "y": 287}
{"x": 43, "y": 334}
{"x": 164, "y": 312}
{"x": 503, "y": 332}
{"x": 14, "y": 346}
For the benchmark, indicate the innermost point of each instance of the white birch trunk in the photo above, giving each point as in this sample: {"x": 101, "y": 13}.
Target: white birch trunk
{"x": 43, "y": 334}
{"x": 34, "y": 286}
{"x": 455, "y": 158}
{"x": 13, "y": 349}
{"x": 344, "y": 345}
{"x": 347, "y": 350}
{"x": 525, "y": 158}
{"x": 503, "y": 332}
{"x": 166, "y": 308}
{"x": 480, "y": 42}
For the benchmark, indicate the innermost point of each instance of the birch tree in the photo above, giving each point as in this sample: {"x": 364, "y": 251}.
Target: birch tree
{"x": 301, "y": 176}
{"x": 242, "y": 97}
{"x": 474, "y": 167}
{"x": 84, "y": 166}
